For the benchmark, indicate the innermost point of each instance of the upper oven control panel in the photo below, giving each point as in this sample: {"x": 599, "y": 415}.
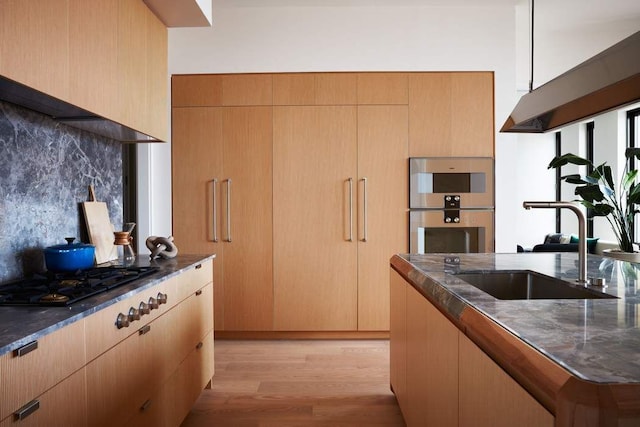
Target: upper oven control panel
{"x": 436, "y": 182}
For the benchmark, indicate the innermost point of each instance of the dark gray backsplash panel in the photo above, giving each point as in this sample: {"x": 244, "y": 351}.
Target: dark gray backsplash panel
{"x": 45, "y": 170}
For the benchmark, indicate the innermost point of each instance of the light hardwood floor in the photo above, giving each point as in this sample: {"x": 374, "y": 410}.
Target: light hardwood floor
{"x": 298, "y": 383}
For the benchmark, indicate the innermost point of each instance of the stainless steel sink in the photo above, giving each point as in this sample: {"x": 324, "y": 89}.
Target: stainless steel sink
{"x": 516, "y": 285}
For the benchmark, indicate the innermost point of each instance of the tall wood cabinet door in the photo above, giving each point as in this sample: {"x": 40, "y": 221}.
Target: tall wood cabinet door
{"x": 34, "y": 35}
{"x": 247, "y": 228}
{"x": 472, "y": 130}
{"x": 490, "y": 397}
{"x": 197, "y": 181}
{"x": 398, "y": 338}
{"x": 93, "y": 55}
{"x": 382, "y": 207}
{"x": 315, "y": 252}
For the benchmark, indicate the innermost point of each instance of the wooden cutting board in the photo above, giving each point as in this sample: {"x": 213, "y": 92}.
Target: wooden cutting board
{"x": 99, "y": 228}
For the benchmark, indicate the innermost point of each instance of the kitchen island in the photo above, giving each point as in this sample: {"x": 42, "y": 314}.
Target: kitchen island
{"x": 140, "y": 353}
{"x": 579, "y": 359}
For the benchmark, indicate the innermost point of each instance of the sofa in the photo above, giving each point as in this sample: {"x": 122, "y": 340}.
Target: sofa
{"x": 558, "y": 242}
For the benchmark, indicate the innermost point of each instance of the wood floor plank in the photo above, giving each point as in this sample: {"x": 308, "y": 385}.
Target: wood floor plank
{"x": 298, "y": 383}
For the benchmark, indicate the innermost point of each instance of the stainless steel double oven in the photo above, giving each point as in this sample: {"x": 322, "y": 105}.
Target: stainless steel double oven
{"x": 451, "y": 205}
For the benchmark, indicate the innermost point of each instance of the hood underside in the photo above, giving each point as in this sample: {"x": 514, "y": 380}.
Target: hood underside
{"x": 605, "y": 82}
{"x": 24, "y": 96}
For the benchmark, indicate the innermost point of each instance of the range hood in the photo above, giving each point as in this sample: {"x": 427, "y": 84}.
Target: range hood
{"x": 24, "y": 96}
{"x": 607, "y": 81}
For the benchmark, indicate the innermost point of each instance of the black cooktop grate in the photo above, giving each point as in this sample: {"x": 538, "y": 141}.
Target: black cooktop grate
{"x": 63, "y": 289}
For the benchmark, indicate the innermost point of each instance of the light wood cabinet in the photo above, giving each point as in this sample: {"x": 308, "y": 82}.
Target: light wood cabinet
{"x": 489, "y": 396}
{"x": 329, "y": 132}
{"x": 440, "y": 377}
{"x": 29, "y": 371}
{"x": 132, "y": 62}
{"x": 222, "y": 203}
{"x": 196, "y": 90}
{"x": 197, "y": 173}
{"x": 128, "y": 380}
{"x": 398, "y": 339}
{"x": 451, "y": 114}
{"x": 33, "y": 41}
{"x": 432, "y": 365}
{"x": 314, "y": 227}
{"x": 62, "y": 405}
{"x": 247, "y": 218}
{"x": 247, "y": 89}
{"x": 315, "y": 89}
{"x": 382, "y": 209}
{"x": 383, "y": 88}
{"x": 107, "y": 57}
{"x": 156, "y": 79}
{"x": 93, "y": 58}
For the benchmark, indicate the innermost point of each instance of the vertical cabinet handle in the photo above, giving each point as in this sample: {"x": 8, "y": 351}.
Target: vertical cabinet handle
{"x": 228, "y": 181}
{"x": 364, "y": 209}
{"x": 214, "y": 217}
{"x": 350, "y": 239}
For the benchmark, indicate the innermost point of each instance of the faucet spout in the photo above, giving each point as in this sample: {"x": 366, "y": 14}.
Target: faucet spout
{"x": 582, "y": 231}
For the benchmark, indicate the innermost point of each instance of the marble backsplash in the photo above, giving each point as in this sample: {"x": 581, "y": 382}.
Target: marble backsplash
{"x": 45, "y": 170}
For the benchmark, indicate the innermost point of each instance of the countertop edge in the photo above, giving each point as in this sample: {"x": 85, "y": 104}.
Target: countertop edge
{"x": 562, "y": 393}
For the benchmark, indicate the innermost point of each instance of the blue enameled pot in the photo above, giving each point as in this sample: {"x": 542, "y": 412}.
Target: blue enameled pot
{"x": 70, "y": 256}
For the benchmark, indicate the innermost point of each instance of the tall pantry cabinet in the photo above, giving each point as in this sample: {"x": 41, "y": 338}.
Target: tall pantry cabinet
{"x": 222, "y": 199}
{"x": 318, "y": 169}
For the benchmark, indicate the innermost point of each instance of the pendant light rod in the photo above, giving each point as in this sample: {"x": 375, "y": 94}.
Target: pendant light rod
{"x": 531, "y": 42}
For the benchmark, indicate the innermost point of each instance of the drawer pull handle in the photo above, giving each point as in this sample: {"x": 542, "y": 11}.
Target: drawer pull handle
{"x": 199, "y": 292}
{"x": 145, "y": 405}
{"x": 26, "y": 349}
{"x": 198, "y": 267}
{"x": 144, "y": 329}
{"x": 199, "y": 345}
{"x": 27, "y": 410}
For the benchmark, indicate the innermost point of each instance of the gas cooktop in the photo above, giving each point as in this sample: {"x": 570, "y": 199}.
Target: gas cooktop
{"x": 63, "y": 289}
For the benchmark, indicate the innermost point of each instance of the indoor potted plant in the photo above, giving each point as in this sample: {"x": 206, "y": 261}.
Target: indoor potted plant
{"x": 599, "y": 192}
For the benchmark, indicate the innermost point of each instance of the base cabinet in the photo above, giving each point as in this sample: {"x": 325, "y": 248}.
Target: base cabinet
{"x": 52, "y": 407}
{"x": 441, "y": 378}
{"x": 146, "y": 374}
{"x": 155, "y": 374}
{"x": 490, "y": 397}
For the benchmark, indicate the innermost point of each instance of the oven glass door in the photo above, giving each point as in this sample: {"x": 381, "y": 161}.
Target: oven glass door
{"x": 430, "y": 179}
{"x": 429, "y": 233}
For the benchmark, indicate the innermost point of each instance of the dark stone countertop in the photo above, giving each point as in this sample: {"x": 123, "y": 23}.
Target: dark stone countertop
{"x": 596, "y": 340}
{"x": 22, "y": 325}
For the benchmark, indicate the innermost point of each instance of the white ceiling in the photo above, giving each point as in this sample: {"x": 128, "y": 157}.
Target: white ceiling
{"x": 550, "y": 14}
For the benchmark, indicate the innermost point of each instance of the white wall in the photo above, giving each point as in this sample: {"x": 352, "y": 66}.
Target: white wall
{"x": 407, "y": 37}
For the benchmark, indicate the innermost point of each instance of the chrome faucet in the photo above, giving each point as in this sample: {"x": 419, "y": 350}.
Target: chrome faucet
{"x": 582, "y": 234}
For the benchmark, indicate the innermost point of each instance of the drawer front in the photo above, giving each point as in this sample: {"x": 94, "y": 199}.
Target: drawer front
{"x": 185, "y": 386}
{"x": 195, "y": 318}
{"x": 52, "y": 408}
{"x": 102, "y": 329}
{"x": 194, "y": 279}
{"x": 26, "y": 376}
{"x": 118, "y": 378}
